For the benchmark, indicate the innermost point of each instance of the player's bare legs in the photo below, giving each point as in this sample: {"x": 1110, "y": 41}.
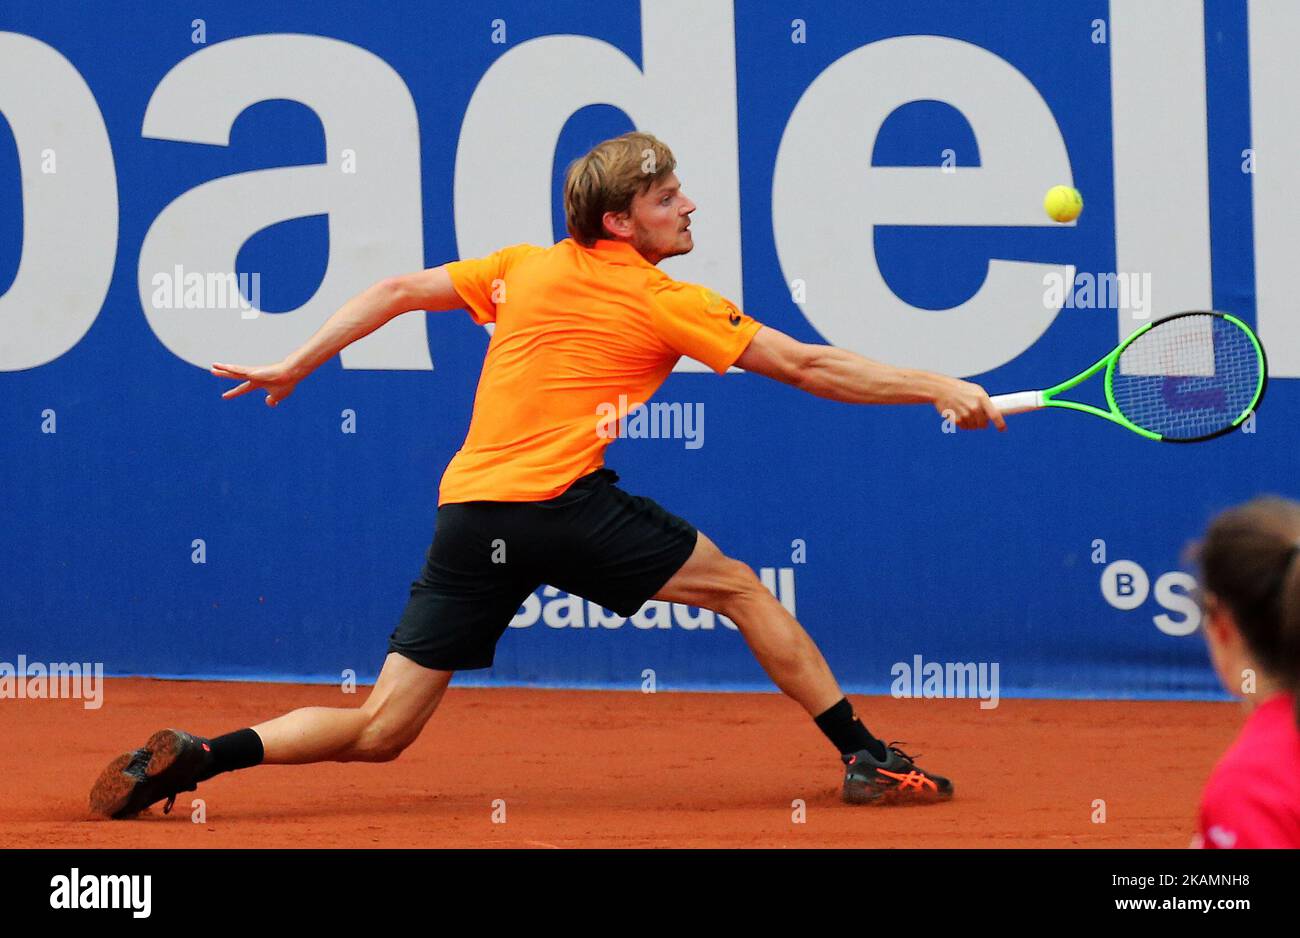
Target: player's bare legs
{"x": 391, "y": 718}
{"x": 173, "y": 761}
{"x": 712, "y": 580}
{"x": 875, "y": 773}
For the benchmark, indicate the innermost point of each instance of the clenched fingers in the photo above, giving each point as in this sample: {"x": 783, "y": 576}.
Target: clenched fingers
{"x": 994, "y": 414}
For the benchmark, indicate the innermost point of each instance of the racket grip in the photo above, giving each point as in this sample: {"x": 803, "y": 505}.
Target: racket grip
{"x": 1019, "y": 402}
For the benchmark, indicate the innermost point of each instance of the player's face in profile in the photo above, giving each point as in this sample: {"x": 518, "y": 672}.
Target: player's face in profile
{"x": 660, "y": 220}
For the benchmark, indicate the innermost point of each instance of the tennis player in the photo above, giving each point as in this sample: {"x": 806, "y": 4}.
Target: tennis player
{"x": 579, "y": 326}
{"x": 1250, "y": 563}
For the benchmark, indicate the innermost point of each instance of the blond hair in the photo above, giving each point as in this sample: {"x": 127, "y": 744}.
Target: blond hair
{"x": 608, "y": 178}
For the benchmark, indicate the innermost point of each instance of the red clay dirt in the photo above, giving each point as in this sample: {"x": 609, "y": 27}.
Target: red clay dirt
{"x": 619, "y": 769}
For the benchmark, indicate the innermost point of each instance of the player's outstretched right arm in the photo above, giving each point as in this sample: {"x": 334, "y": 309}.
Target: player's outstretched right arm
{"x": 839, "y": 375}
{"x": 426, "y": 289}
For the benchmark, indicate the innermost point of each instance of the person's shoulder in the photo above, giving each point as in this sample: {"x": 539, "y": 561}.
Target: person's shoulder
{"x": 662, "y": 285}
{"x": 682, "y": 292}
{"x": 565, "y": 252}
{"x": 525, "y": 249}
{"x": 501, "y": 257}
{"x": 1269, "y": 736}
{"x": 1265, "y": 756}
{"x": 513, "y": 258}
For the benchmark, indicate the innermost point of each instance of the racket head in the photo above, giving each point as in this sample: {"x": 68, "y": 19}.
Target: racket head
{"x": 1188, "y": 377}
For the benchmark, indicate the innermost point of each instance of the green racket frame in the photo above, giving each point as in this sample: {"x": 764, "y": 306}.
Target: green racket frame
{"x": 1023, "y": 401}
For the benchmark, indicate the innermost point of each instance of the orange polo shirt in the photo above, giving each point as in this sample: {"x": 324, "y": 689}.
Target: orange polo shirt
{"x": 579, "y": 332}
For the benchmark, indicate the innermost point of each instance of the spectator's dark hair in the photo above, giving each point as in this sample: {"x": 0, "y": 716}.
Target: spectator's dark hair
{"x": 1250, "y": 562}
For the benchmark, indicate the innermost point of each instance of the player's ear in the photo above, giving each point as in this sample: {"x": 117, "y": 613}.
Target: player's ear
{"x": 1218, "y": 622}
{"x": 617, "y": 224}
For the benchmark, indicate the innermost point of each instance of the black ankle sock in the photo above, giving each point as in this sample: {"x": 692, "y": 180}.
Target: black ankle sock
{"x": 241, "y": 749}
{"x": 846, "y": 732}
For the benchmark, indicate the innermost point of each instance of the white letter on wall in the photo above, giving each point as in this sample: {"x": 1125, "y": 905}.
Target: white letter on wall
{"x": 507, "y": 141}
{"x": 1275, "y": 131}
{"x": 375, "y": 223}
{"x": 824, "y": 208}
{"x": 1159, "y": 136}
{"x": 69, "y": 216}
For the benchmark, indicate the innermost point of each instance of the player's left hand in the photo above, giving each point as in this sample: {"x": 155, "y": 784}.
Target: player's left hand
{"x": 277, "y": 380}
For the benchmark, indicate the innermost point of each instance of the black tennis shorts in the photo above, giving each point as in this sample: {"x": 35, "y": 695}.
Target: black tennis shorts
{"x": 594, "y": 540}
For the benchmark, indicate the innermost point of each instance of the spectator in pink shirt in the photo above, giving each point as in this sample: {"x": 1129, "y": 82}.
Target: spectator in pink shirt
{"x": 1250, "y": 564}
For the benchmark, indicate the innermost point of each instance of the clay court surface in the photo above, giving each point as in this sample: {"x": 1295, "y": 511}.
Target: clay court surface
{"x": 614, "y": 769}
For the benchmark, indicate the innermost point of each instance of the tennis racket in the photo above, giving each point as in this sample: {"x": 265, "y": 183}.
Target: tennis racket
{"x": 1181, "y": 379}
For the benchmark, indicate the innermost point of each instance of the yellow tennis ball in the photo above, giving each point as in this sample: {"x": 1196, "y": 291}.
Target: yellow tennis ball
{"x": 1063, "y": 203}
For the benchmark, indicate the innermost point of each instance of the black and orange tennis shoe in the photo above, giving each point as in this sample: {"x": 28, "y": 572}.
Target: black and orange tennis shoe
{"x": 169, "y": 763}
{"x": 895, "y": 780}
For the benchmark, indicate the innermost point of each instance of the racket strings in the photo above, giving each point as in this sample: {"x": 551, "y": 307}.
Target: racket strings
{"x": 1187, "y": 377}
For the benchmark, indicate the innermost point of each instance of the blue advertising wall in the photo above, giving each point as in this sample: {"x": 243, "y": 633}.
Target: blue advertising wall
{"x": 889, "y": 537}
